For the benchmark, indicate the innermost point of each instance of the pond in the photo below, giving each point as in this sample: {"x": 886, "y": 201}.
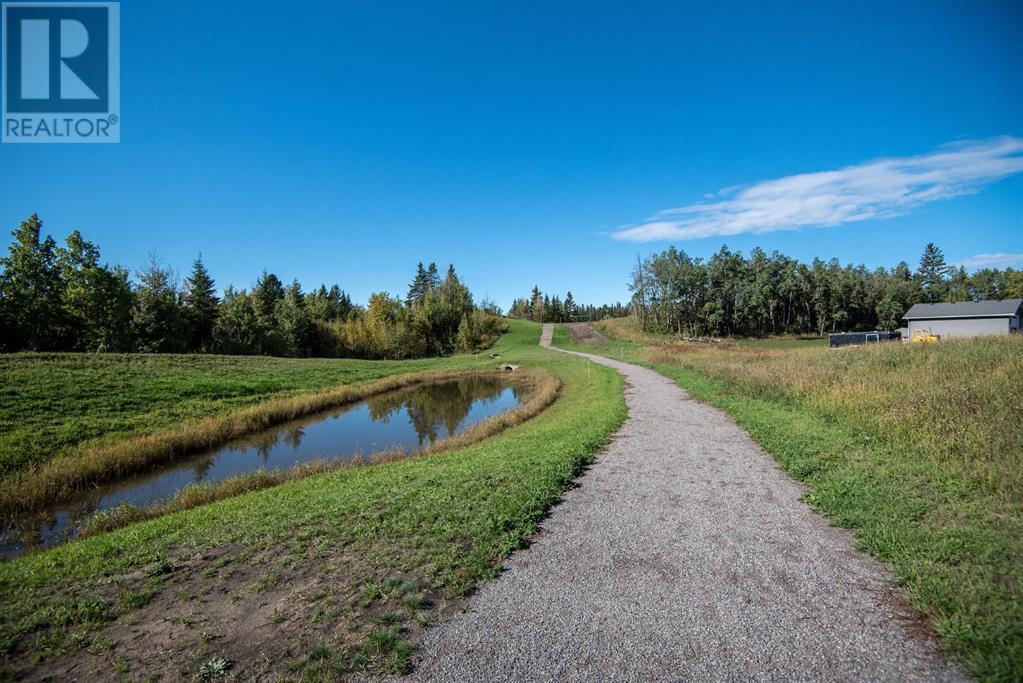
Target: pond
{"x": 410, "y": 418}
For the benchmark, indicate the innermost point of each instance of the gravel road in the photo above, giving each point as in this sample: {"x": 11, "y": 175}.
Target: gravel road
{"x": 684, "y": 553}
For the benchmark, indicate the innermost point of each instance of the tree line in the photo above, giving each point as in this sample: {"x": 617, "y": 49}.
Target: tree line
{"x": 732, "y": 295}
{"x": 62, "y": 298}
{"x": 544, "y": 308}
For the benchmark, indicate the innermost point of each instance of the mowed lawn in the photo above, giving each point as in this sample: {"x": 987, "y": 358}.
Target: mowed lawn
{"x": 917, "y": 448}
{"x": 310, "y": 579}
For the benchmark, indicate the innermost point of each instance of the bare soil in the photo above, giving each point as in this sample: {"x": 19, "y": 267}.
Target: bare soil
{"x": 274, "y": 622}
{"x": 584, "y": 333}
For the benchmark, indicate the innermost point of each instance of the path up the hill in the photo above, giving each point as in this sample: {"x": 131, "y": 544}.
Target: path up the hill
{"x": 684, "y": 554}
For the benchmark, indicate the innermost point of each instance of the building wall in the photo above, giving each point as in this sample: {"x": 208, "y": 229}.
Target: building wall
{"x": 961, "y": 327}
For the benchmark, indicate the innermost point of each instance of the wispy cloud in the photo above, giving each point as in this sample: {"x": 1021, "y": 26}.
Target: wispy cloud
{"x": 877, "y": 189}
{"x": 996, "y": 260}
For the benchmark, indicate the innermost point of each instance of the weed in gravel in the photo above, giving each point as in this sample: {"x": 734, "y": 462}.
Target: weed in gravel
{"x": 214, "y": 669}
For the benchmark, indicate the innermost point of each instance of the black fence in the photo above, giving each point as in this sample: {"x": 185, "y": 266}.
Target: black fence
{"x": 858, "y": 338}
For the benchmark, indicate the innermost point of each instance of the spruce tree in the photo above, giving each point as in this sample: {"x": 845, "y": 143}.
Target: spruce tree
{"x": 294, "y": 329}
{"x": 318, "y": 304}
{"x": 418, "y": 288}
{"x": 344, "y": 305}
{"x": 569, "y": 307}
{"x": 158, "y": 319}
{"x": 556, "y": 312}
{"x": 267, "y": 293}
{"x": 202, "y": 305}
{"x": 432, "y": 278}
{"x": 932, "y": 273}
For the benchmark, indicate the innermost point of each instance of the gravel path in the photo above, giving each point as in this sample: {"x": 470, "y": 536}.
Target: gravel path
{"x": 685, "y": 553}
{"x": 547, "y": 335}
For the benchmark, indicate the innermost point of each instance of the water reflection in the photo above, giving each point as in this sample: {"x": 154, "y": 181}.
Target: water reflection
{"x": 408, "y": 418}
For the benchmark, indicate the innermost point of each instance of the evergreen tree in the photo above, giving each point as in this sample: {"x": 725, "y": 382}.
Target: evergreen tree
{"x": 328, "y": 305}
{"x": 319, "y": 305}
{"x": 556, "y": 314}
{"x": 555, "y": 310}
{"x": 932, "y": 272}
{"x": 159, "y": 322}
{"x": 569, "y": 307}
{"x": 293, "y": 322}
{"x": 267, "y": 293}
{"x": 419, "y": 287}
{"x": 202, "y": 306}
{"x": 432, "y": 277}
{"x": 344, "y": 304}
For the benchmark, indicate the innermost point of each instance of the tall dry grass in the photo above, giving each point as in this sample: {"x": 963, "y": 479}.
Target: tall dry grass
{"x": 959, "y": 402}
{"x": 60, "y": 479}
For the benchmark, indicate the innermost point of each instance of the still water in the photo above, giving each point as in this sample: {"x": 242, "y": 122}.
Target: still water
{"x": 409, "y": 418}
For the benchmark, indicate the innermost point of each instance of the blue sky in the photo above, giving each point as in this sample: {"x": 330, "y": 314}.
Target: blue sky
{"x": 338, "y": 142}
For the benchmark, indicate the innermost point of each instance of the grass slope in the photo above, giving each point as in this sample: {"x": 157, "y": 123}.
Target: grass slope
{"x": 918, "y": 450}
{"x": 316, "y": 577}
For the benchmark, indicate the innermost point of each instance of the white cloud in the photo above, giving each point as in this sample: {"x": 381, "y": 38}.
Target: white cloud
{"x": 877, "y": 189}
{"x": 996, "y": 260}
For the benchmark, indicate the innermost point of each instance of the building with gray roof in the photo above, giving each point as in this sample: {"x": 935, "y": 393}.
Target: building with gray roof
{"x": 966, "y": 318}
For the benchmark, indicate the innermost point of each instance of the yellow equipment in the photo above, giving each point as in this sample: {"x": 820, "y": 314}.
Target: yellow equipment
{"x": 924, "y": 336}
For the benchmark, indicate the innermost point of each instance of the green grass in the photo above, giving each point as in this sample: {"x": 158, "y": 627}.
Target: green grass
{"x": 52, "y": 404}
{"x": 917, "y": 449}
{"x": 405, "y": 538}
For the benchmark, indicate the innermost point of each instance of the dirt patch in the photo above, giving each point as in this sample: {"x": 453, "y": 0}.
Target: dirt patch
{"x": 584, "y": 333}
{"x": 237, "y": 613}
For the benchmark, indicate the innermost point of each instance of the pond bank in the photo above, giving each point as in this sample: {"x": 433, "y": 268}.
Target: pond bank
{"x": 351, "y": 434}
{"x": 61, "y": 479}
